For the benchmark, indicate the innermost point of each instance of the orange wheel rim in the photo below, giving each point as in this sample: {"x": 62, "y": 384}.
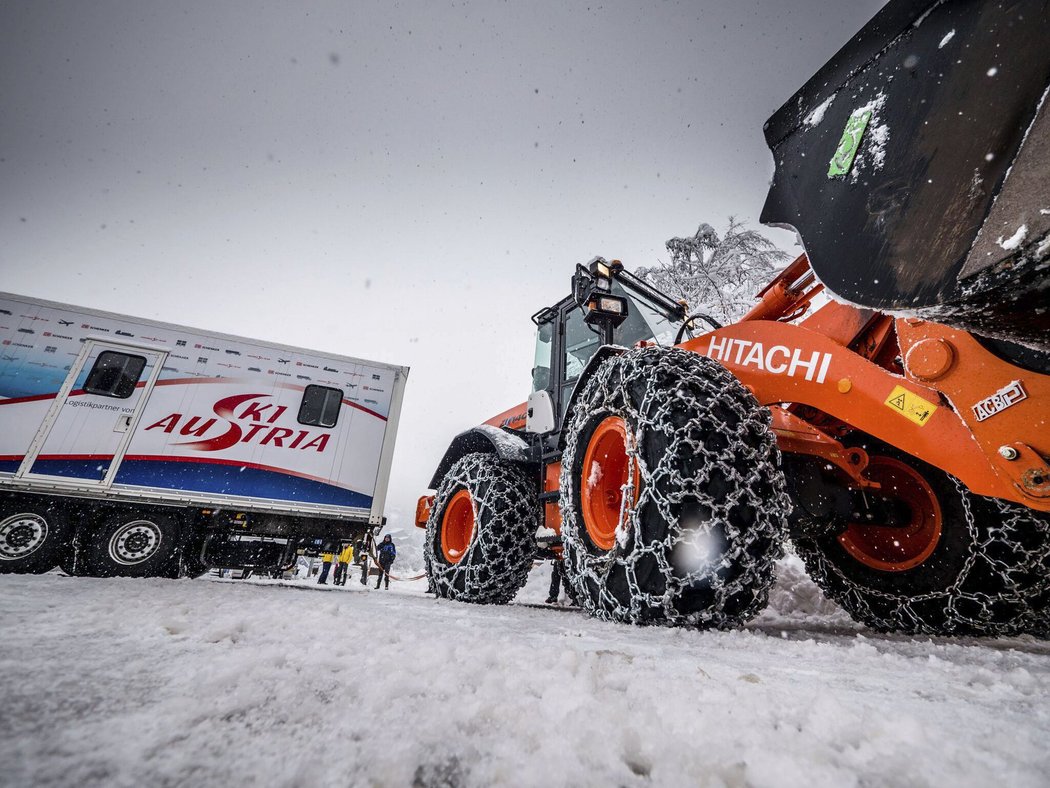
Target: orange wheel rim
{"x": 897, "y": 548}
{"x": 607, "y": 468}
{"x": 457, "y": 527}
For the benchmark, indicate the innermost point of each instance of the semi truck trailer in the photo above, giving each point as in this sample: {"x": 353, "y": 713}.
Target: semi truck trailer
{"x": 130, "y": 447}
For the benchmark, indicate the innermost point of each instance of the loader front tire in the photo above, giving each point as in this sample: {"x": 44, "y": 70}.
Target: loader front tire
{"x": 673, "y": 502}
{"x": 480, "y": 537}
{"x": 966, "y": 565}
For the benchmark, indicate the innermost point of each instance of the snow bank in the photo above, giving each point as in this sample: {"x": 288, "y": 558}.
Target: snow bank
{"x": 124, "y": 683}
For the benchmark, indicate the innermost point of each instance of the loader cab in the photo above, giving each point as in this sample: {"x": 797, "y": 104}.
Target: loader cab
{"x": 568, "y": 335}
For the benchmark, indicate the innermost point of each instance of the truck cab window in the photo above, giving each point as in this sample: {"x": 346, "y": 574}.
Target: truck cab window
{"x": 541, "y": 366}
{"x": 114, "y": 374}
{"x": 320, "y": 406}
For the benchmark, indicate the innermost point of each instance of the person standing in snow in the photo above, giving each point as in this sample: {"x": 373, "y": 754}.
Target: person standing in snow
{"x": 387, "y": 554}
{"x": 326, "y": 564}
{"x": 345, "y": 559}
{"x": 558, "y": 579}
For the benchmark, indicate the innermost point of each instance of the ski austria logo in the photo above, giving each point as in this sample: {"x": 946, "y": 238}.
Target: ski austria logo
{"x": 254, "y": 424}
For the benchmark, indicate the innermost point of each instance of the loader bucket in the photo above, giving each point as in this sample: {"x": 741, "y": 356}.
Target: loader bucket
{"x": 915, "y": 166}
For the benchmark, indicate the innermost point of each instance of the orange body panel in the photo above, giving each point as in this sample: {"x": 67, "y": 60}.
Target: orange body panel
{"x": 797, "y": 436}
{"x": 969, "y": 376}
{"x": 551, "y": 512}
{"x": 787, "y": 363}
{"x": 512, "y": 418}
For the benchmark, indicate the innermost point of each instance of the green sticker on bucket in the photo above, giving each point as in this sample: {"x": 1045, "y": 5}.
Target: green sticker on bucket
{"x": 842, "y": 161}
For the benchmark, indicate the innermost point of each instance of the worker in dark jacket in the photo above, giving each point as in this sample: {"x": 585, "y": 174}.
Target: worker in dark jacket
{"x": 326, "y": 565}
{"x": 387, "y": 554}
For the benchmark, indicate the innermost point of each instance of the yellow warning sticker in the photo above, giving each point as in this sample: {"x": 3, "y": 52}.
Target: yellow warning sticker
{"x": 910, "y": 406}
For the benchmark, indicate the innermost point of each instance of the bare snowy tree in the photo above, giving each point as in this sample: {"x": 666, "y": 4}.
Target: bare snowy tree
{"x": 719, "y": 275}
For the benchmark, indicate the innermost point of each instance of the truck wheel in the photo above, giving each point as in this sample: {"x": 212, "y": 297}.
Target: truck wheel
{"x": 480, "y": 537}
{"x": 961, "y": 565}
{"x": 129, "y": 544}
{"x": 33, "y": 536}
{"x": 672, "y": 497}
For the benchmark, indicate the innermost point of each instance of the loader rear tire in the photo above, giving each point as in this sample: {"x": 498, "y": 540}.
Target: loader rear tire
{"x": 480, "y": 538}
{"x": 673, "y": 502}
{"x": 34, "y": 535}
{"x": 985, "y": 572}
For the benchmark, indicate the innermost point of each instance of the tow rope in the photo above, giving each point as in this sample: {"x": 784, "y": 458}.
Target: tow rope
{"x": 372, "y": 555}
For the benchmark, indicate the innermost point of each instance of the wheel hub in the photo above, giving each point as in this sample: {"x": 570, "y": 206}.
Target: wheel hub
{"x": 907, "y": 524}
{"x": 608, "y": 470}
{"x": 135, "y": 542}
{"x": 457, "y": 527}
{"x": 21, "y": 535}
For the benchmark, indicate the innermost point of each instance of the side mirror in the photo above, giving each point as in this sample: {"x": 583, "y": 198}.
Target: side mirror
{"x": 540, "y": 416}
{"x": 541, "y": 378}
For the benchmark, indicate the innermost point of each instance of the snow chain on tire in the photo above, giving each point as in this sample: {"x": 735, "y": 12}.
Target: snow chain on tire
{"x": 998, "y": 585}
{"x": 699, "y": 545}
{"x": 496, "y": 563}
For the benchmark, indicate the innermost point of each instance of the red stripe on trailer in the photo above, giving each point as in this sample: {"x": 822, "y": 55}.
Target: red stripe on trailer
{"x": 33, "y": 398}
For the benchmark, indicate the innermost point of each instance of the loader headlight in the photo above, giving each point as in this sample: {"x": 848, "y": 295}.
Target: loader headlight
{"x": 614, "y": 305}
{"x": 606, "y": 308}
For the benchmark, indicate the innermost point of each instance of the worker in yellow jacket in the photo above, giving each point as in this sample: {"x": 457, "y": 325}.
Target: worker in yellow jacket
{"x": 345, "y": 559}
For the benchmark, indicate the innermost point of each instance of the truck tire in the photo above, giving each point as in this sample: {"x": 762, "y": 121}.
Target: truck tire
{"x": 673, "y": 502}
{"x": 480, "y": 537}
{"x": 133, "y": 544}
{"x": 966, "y": 565}
{"x": 34, "y": 535}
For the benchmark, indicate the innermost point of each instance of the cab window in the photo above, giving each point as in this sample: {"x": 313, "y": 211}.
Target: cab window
{"x": 541, "y": 367}
{"x": 581, "y": 342}
{"x": 644, "y": 322}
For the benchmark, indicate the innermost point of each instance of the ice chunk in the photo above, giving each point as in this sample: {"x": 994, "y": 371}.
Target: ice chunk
{"x": 817, "y": 115}
{"x": 1014, "y": 240}
{"x": 594, "y": 476}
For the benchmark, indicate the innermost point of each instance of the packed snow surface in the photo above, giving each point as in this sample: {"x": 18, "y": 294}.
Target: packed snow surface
{"x": 205, "y": 682}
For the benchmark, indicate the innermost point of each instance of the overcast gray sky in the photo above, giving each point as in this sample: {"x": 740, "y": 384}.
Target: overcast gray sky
{"x": 406, "y": 182}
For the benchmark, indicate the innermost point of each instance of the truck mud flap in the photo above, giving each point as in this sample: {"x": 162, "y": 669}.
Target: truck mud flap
{"x": 915, "y": 166}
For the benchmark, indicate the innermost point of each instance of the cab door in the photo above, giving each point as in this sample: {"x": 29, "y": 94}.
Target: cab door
{"x": 89, "y": 426}
{"x": 577, "y": 343}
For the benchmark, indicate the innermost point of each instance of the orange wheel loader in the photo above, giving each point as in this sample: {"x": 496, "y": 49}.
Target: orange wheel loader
{"x": 885, "y": 405}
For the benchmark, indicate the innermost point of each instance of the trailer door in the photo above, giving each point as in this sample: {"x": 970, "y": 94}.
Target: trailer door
{"x": 90, "y": 424}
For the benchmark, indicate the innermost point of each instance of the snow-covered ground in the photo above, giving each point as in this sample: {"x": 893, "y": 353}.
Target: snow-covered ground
{"x": 210, "y": 682}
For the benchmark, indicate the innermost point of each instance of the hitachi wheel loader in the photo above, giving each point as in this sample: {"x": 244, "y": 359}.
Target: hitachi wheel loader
{"x": 885, "y": 405}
